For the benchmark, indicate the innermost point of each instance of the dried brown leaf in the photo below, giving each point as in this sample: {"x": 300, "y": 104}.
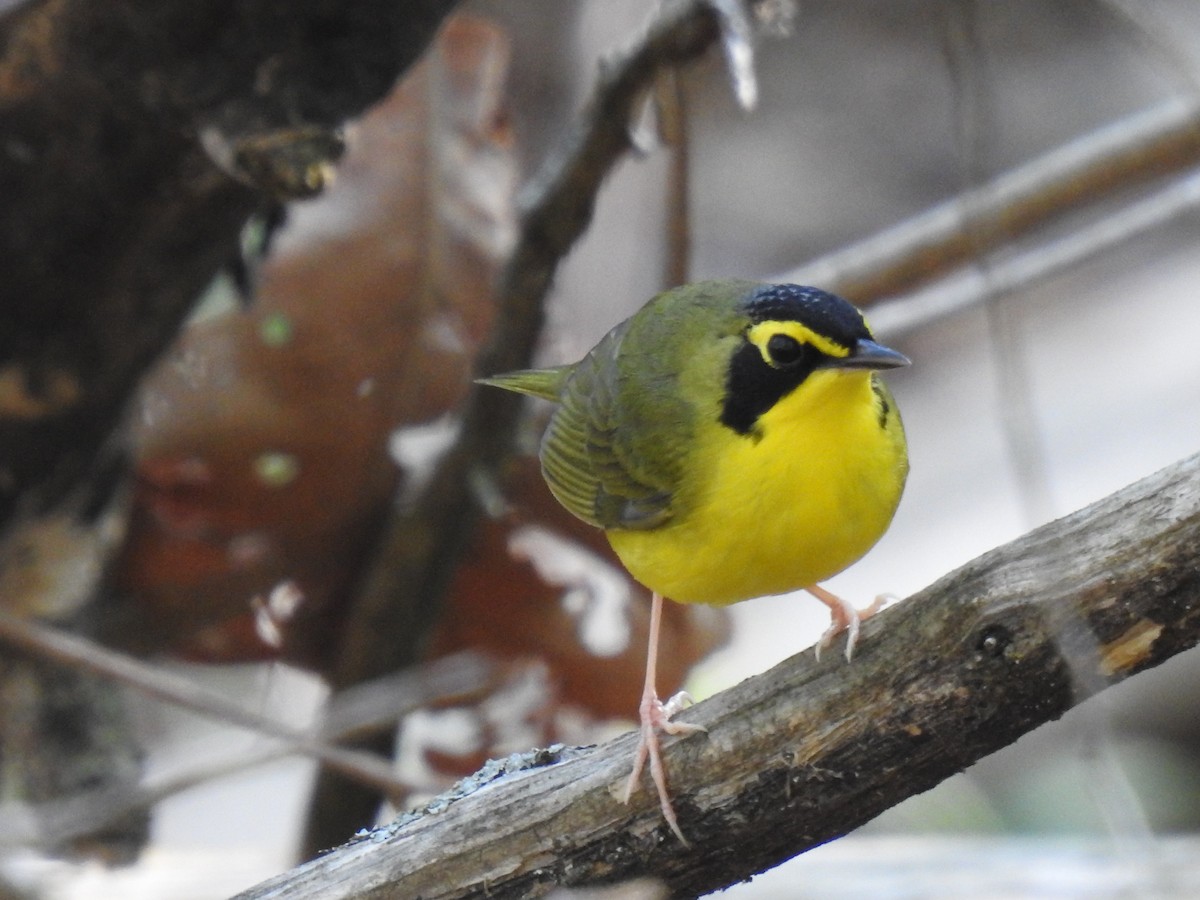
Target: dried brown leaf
{"x": 263, "y": 440}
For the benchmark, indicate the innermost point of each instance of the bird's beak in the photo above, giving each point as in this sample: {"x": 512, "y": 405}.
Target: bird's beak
{"x": 868, "y": 355}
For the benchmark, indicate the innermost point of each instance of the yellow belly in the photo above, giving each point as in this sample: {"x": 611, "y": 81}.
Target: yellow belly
{"x": 790, "y": 509}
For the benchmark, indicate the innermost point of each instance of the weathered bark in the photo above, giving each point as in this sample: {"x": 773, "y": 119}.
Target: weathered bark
{"x": 137, "y": 138}
{"x": 808, "y": 751}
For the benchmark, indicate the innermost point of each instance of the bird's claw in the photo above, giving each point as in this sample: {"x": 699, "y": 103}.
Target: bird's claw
{"x": 665, "y": 710}
{"x": 656, "y": 716}
{"x": 844, "y": 616}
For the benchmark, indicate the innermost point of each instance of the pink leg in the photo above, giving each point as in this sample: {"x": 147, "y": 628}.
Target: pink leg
{"x": 656, "y": 716}
{"x": 844, "y": 617}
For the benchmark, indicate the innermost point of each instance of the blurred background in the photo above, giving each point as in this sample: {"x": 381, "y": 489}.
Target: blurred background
{"x": 1019, "y": 409}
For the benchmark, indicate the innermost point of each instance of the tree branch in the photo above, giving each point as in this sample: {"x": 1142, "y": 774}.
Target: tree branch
{"x": 56, "y": 822}
{"x": 808, "y": 751}
{"x": 1098, "y": 166}
{"x": 1020, "y": 270}
{"x": 435, "y": 682}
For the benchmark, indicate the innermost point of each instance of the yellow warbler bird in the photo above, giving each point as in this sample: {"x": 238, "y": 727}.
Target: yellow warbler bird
{"x": 733, "y": 440}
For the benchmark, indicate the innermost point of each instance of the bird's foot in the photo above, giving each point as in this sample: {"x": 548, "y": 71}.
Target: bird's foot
{"x": 655, "y": 717}
{"x": 844, "y": 616}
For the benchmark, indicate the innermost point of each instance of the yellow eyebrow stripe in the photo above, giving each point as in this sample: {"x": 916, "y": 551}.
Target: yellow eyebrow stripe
{"x": 759, "y": 334}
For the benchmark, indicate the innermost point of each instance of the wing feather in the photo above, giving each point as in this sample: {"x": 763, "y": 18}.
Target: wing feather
{"x": 589, "y": 453}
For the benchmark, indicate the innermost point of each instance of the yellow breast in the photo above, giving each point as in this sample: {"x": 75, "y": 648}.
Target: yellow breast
{"x": 807, "y": 493}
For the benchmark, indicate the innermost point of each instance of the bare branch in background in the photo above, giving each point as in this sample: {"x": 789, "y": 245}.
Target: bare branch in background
{"x": 671, "y": 103}
{"x": 1024, "y": 268}
{"x": 1096, "y": 167}
{"x": 1158, "y": 39}
{"x": 369, "y": 705}
{"x": 448, "y": 677}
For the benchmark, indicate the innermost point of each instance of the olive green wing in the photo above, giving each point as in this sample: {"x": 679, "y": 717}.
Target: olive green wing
{"x": 579, "y": 453}
{"x": 620, "y": 449}
{"x": 600, "y": 454}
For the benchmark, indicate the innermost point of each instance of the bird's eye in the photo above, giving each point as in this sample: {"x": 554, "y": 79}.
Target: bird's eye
{"x": 784, "y": 350}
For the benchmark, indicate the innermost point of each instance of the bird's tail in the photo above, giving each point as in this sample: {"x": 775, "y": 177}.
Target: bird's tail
{"x": 544, "y": 383}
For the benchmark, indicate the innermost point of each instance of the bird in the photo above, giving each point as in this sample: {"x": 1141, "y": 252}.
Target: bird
{"x": 733, "y": 439}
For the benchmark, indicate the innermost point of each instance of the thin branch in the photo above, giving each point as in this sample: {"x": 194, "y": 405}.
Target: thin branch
{"x": 57, "y": 646}
{"x": 970, "y": 287}
{"x": 808, "y": 751}
{"x": 384, "y": 701}
{"x": 672, "y": 109}
{"x": 1134, "y": 151}
{"x": 1157, "y": 40}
